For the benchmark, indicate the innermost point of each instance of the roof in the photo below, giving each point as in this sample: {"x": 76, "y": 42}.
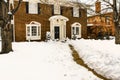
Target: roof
{"x": 108, "y": 13}
{"x": 69, "y": 3}
{"x": 104, "y": 8}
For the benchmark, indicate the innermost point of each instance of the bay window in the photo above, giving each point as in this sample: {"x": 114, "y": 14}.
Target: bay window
{"x": 33, "y": 31}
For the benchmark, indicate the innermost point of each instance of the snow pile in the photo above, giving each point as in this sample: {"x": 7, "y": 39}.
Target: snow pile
{"x": 101, "y": 55}
{"x": 41, "y": 61}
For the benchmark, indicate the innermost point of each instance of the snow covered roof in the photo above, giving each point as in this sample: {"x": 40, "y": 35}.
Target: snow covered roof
{"x": 104, "y": 7}
{"x": 61, "y": 2}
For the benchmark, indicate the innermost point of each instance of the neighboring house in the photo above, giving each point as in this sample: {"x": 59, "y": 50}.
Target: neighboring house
{"x": 36, "y": 20}
{"x": 100, "y": 25}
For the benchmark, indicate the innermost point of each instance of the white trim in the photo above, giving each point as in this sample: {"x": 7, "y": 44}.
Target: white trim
{"x": 75, "y": 25}
{"x": 60, "y": 21}
{"x": 38, "y": 33}
{"x": 90, "y": 24}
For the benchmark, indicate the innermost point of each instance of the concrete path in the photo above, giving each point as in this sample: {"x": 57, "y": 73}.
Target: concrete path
{"x": 80, "y": 61}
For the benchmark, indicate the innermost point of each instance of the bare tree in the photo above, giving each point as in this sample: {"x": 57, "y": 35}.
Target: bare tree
{"x": 116, "y": 15}
{"x": 113, "y": 5}
{"x": 6, "y": 15}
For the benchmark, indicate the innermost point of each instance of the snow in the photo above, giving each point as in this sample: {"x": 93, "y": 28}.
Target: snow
{"x": 101, "y": 55}
{"x": 41, "y": 61}
{"x": 53, "y": 61}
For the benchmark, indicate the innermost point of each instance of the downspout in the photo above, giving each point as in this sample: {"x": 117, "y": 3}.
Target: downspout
{"x": 11, "y": 6}
{"x": 13, "y": 29}
{"x": 13, "y": 23}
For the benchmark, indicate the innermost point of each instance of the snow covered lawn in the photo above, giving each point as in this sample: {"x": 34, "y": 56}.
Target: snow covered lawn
{"x": 53, "y": 60}
{"x": 42, "y": 61}
{"x": 101, "y": 55}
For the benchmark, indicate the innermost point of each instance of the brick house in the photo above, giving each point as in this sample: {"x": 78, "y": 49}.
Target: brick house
{"x": 34, "y": 20}
{"x": 100, "y": 24}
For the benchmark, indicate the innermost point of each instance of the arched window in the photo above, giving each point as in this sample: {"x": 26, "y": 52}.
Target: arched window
{"x": 33, "y": 31}
{"x": 76, "y": 30}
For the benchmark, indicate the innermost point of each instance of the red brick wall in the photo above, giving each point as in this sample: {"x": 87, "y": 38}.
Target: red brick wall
{"x": 22, "y": 18}
{"x": 97, "y": 19}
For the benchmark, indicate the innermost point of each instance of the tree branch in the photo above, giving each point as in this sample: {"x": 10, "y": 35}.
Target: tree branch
{"x": 108, "y": 2}
{"x": 14, "y": 10}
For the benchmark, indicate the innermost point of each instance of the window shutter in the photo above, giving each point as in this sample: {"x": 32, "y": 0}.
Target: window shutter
{"x": 80, "y": 14}
{"x": 27, "y": 7}
{"x": 61, "y": 10}
{"x": 0, "y": 10}
{"x": 52, "y": 9}
{"x": 39, "y": 8}
{"x": 72, "y": 11}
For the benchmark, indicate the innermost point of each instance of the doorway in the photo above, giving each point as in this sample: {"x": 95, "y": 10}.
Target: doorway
{"x": 56, "y": 30}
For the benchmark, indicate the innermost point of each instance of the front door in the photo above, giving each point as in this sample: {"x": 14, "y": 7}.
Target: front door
{"x": 56, "y": 30}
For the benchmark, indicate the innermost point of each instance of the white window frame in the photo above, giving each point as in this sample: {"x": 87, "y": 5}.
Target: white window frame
{"x": 33, "y": 8}
{"x": 76, "y": 12}
{"x": 29, "y": 35}
{"x": 73, "y": 32}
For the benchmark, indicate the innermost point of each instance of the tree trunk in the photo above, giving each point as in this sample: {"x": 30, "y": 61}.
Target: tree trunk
{"x": 117, "y": 33}
{"x": 116, "y": 22}
{"x": 6, "y": 35}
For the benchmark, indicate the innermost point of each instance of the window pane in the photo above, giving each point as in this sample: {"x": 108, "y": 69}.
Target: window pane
{"x": 34, "y": 31}
{"x": 73, "y": 30}
{"x": 108, "y": 20}
{"x": 28, "y": 31}
{"x": 38, "y": 30}
{"x": 77, "y": 30}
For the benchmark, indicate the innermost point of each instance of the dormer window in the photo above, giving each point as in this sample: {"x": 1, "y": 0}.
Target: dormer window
{"x": 33, "y": 8}
{"x": 57, "y": 8}
{"x": 76, "y": 12}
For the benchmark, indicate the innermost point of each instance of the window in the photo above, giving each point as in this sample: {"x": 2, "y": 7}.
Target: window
{"x": 32, "y": 8}
{"x": 107, "y": 20}
{"x": 76, "y": 30}
{"x": 33, "y": 31}
{"x": 56, "y": 9}
{"x": 76, "y": 12}
{"x": 28, "y": 30}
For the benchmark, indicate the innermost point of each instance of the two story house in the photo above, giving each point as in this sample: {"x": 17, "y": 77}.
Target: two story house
{"x": 101, "y": 24}
{"x": 34, "y": 20}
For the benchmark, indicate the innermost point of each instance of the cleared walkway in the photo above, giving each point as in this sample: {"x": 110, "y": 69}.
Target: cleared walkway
{"x": 79, "y": 61}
